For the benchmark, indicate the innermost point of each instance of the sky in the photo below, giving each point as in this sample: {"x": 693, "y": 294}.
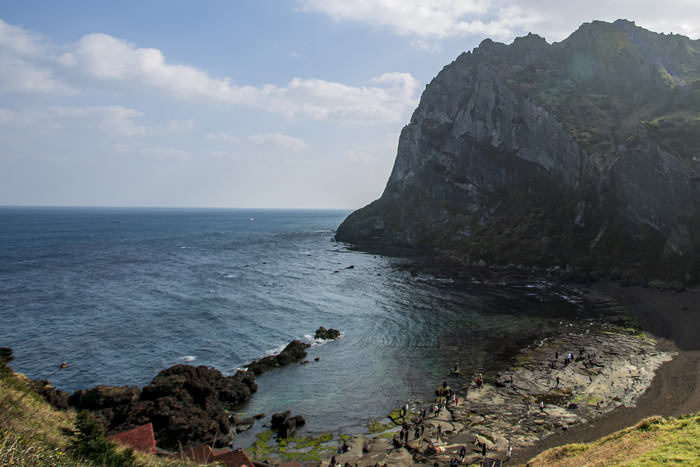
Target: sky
{"x": 242, "y": 104}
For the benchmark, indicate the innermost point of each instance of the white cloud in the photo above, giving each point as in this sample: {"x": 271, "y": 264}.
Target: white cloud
{"x": 271, "y": 140}
{"x": 26, "y": 64}
{"x": 167, "y": 154}
{"x": 120, "y": 63}
{"x": 19, "y": 42}
{"x": 504, "y": 20}
{"x": 115, "y": 121}
{"x": 423, "y": 18}
{"x": 31, "y": 65}
{"x": 223, "y": 136}
{"x": 180, "y": 126}
{"x": 280, "y": 140}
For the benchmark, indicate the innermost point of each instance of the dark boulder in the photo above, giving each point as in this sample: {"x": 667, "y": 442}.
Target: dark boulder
{"x": 280, "y": 419}
{"x": 323, "y": 333}
{"x": 244, "y": 424}
{"x": 198, "y": 385}
{"x": 285, "y": 424}
{"x": 102, "y": 396}
{"x": 56, "y": 397}
{"x": 187, "y": 405}
{"x": 6, "y": 355}
{"x": 294, "y": 352}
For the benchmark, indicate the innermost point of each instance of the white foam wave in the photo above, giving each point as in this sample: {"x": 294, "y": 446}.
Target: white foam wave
{"x": 276, "y": 350}
{"x": 188, "y": 358}
{"x": 315, "y": 342}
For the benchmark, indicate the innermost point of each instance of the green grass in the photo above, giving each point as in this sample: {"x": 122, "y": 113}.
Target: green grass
{"x": 654, "y": 441}
{"x": 33, "y": 434}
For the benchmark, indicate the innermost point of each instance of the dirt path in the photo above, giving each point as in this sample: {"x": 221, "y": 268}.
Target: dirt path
{"x": 674, "y": 318}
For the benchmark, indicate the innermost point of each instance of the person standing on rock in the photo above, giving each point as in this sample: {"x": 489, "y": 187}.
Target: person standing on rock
{"x": 483, "y": 449}
{"x": 462, "y": 453}
{"x": 509, "y": 452}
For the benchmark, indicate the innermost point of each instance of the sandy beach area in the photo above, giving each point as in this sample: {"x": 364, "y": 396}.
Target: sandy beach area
{"x": 673, "y": 318}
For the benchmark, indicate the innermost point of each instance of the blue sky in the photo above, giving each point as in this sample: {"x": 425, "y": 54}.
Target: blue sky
{"x": 278, "y": 104}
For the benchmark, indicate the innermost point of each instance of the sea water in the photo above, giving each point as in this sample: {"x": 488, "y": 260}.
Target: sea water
{"x": 121, "y": 294}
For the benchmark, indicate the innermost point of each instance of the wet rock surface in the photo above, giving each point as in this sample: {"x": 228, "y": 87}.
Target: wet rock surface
{"x": 295, "y": 351}
{"x": 326, "y": 334}
{"x": 563, "y": 381}
{"x": 285, "y": 424}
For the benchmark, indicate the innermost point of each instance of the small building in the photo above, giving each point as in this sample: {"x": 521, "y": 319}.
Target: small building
{"x": 140, "y": 439}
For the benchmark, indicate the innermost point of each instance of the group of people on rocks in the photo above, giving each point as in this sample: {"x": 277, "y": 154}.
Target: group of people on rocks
{"x": 571, "y": 357}
{"x": 444, "y": 396}
{"x": 404, "y": 434}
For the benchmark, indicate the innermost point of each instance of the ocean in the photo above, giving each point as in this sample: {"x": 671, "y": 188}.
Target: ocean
{"x": 122, "y": 293}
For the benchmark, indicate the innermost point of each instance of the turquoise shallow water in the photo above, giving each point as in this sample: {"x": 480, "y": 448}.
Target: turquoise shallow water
{"x": 124, "y": 293}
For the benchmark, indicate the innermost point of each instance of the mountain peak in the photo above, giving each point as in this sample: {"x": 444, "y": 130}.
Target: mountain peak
{"x": 581, "y": 153}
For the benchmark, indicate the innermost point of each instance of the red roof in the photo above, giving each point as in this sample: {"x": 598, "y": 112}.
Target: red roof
{"x": 228, "y": 457}
{"x": 292, "y": 463}
{"x": 140, "y": 439}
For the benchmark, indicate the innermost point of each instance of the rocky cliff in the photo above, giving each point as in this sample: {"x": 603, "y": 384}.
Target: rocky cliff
{"x": 583, "y": 153}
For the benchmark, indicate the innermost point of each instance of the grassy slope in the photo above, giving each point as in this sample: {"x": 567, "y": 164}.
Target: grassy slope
{"x": 33, "y": 434}
{"x": 653, "y": 441}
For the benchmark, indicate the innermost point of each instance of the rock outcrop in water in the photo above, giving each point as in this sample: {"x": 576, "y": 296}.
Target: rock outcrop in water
{"x": 582, "y": 153}
{"x": 293, "y": 352}
{"x": 326, "y": 334}
{"x": 187, "y": 405}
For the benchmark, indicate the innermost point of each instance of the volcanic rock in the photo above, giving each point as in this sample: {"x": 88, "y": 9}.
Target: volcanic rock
{"x": 326, "y": 334}
{"x": 294, "y": 352}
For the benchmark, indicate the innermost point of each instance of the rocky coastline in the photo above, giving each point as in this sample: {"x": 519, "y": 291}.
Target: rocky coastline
{"x": 187, "y": 405}
{"x": 514, "y": 409}
{"x": 540, "y": 397}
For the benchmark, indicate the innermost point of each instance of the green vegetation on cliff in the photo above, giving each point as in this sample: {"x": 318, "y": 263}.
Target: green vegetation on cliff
{"x": 33, "y": 434}
{"x": 653, "y": 441}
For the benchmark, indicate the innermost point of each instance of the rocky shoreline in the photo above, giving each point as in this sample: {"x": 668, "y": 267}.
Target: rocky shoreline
{"x": 612, "y": 364}
{"x": 187, "y": 405}
{"x": 514, "y": 409}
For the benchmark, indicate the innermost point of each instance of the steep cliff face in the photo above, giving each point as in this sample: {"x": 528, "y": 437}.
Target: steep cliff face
{"x": 579, "y": 153}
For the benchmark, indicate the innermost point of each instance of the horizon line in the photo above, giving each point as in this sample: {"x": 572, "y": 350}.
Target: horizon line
{"x": 66, "y": 206}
